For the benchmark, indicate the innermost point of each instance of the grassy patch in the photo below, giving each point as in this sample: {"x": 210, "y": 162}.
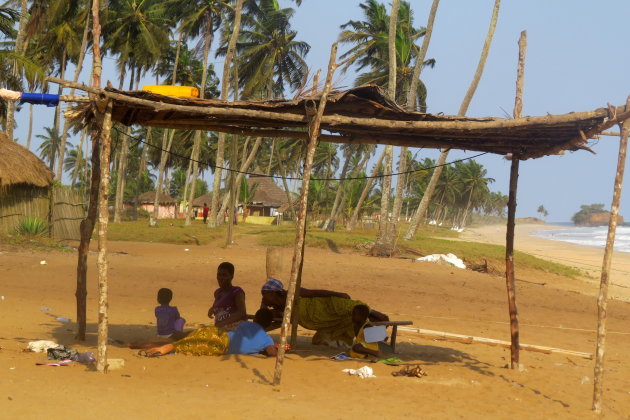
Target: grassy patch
{"x": 170, "y": 231}
{"x": 39, "y": 243}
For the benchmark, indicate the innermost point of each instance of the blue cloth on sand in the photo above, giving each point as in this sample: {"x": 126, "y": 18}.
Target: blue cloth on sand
{"x": 248, "y": 338}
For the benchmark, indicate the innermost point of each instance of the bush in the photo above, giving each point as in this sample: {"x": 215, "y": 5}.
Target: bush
{"x": 32, "y": 226}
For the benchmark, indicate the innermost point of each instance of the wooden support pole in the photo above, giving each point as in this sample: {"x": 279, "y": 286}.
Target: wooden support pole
{"x": 102, "y": 261}
{"x": 602, "y": 299}
{"x": 87, "y": 225}
{"x": 471, "y": 339}
{"x": 298, "y": 283}
{"x": 298, "y": 255}
{"x": 509, "y": 264}
{"x": 509, "y": 246}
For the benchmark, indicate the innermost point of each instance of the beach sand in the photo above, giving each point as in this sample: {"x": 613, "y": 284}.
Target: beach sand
{"x": 585, "y": 258}
{"x": 465, "y": 381}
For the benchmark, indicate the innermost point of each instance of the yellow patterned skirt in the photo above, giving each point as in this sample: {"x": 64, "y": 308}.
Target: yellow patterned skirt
{"x": 208, "y": 341}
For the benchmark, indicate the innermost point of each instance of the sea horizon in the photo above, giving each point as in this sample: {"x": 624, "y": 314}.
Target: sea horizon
{"x": 589, "y": 236}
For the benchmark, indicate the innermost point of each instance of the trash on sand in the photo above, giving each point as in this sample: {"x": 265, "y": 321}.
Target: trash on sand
{"x": 41, "y": 346}
{"x": 64, "y": 362}
{"x": 87, "y": 357}
{"x": 364, "y": 372}
{"x": 62, "y": 353}
{"x": 186, "y": 249}
{"x": 411, "y": 371}
{"x": 44, "y": 308}
{"x": 448, "y": 259}
{"x": 114, "y": 364}
{"x": 43, "y": 262}
{"x": 62, "y": 319}
{"x": 340, "y": 356}
{"x": 1, "y": 297}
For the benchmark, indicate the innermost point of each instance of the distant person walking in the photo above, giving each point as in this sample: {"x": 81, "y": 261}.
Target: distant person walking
{"x": 205, "y": 212}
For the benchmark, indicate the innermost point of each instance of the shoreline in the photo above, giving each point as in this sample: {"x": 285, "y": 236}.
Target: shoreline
{"x": 582, "y": 257}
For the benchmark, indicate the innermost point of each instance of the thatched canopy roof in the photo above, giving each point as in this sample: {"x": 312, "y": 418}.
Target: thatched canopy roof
{"x": 361, "y": 115}
{"x": 267, "y": 193}
{"x": 149, "y": 198}
{"x": 205, "y": 198}
{"x": 20, "y": 166}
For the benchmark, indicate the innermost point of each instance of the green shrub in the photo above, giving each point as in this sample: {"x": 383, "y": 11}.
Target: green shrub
{"x": 32, "y": 226}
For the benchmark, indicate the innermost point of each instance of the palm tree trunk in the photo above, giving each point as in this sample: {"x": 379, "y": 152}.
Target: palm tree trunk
{"x": 391, "y": 48}
{"x": 141, "y": 169}
{"x": 187, "y": 182}
{"x": 77, "y": 73}
{"x": 364, "y": 193}
{"x": 166, "y": 147}
{"x": 244, "y": 167}
{"x": 463, "y": 221}
{"x": 193, "y": 181}
{"x": 411, "y": 95}
{"x": 426, "y": 198}
{"x": 216, "y": 185}
{"x": 80, "y": 158}
{"x": 340, "y": 188}
{"x": 273, "y": 147}
{"x": 19, "y": 49}
{"x": 400, "y": 184}
{"x": 30, "y": 127}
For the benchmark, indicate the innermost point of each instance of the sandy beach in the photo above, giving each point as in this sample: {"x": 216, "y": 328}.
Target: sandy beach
{"x": 465, "y": 381}
{"x": 582, "y": 257}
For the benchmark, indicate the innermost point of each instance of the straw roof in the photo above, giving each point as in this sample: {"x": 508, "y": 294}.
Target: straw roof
{"x": 149, "y": 198}
{"x": 20, "y": 166}
{"x": 361, "y": 115}
{"x": 267, "y": 194}
{"x": 205, "y": 198}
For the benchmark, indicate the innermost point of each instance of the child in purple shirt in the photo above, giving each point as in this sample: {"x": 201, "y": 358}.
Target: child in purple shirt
{"x": 169, "y": 323}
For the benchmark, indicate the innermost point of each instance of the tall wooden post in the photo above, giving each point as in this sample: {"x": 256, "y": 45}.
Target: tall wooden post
{"x": 602, "y": 299}
{"x": 102, "y": 262}
{"x": 298, "y": 283}
{"x": 315, "y": 117}
{"x": 87, "y": 224}
{"x": 509, "y": 245}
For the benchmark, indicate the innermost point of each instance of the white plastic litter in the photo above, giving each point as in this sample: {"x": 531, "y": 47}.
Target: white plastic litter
{"x": 44, "y": 308}
{"x": 449, "y": 259}
{"x": 62, "y": 319}
{"x": 186, "y": 249}
{"x": 364, "y": 372}
{"x": 41, "y": 346}
{"x": 43, "y": 262}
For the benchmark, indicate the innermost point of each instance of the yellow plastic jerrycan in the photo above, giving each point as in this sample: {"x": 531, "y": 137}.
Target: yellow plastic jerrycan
{"x": 169, "y": 90}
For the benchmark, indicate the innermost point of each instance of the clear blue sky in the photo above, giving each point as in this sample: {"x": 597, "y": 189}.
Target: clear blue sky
{"x": 577, "y": 60}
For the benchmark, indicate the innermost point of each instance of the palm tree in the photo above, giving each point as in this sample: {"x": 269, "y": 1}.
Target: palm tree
{"x": 473, "y": 179}
{"x": 247, "y": 193}
{"x": 422, "y": 207}
{"x": 49, "y": 148}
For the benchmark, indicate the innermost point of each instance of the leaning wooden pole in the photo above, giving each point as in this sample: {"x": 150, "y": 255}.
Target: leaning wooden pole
{"x": 315, "y": 116}
{"x": 509, "y": 245}
{"x": 602, "y": 299}
{"x": 102, "y": 261}
{"x": 87, "y": 225}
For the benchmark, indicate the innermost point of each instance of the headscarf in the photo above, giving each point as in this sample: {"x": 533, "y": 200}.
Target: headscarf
{"x": 272, "y": 285}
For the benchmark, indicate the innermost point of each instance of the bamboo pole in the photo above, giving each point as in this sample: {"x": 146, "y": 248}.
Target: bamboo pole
{"x": 298, "y": 282}
{"x": 102, "y": 262}
{"x": 298, "y": 255}
{"x": 471, "y": 339}
{"x": 509, "y": 237}
{"x": 602, "y": 299}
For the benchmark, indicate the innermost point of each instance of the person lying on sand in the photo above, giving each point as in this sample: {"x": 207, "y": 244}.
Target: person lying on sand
{"x": 247, "y": 338}
{"x": 329, "y": 315}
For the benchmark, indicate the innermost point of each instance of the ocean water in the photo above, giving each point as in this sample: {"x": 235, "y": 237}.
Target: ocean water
{"x": 594, "y": 237}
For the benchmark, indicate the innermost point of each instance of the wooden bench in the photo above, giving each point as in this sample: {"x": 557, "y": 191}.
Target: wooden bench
{"x": 394, "y": 325}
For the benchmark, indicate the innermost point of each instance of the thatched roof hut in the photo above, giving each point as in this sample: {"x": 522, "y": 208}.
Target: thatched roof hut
{"x": 267, "y": 194}
{"x": 20, "y": 166}
{"x": 149, "y": 198}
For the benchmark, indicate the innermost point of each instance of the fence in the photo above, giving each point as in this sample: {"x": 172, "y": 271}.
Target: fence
{"x": 65, "y": 213}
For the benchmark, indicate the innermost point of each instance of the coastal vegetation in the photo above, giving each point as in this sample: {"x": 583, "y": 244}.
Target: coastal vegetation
{"x": 172, "y": 43}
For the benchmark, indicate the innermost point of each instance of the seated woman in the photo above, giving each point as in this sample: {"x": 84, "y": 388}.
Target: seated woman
{"x": 328, "y": 313}
{"x": 228, "y": 309}
{"x": 247, "y": 338}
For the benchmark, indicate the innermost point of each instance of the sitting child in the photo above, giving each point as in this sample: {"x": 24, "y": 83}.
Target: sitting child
{"x": 169, "y": 323}
{"x": 360, "y": 348}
